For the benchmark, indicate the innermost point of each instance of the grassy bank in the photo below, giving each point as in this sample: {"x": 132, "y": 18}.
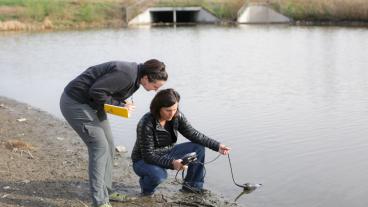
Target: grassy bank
{"x": 323, "y": 10}
{"x": 63, "y": 13}
{"x": 54, "y": 14}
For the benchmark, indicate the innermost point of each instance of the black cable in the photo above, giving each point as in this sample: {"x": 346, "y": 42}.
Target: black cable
{"x": 232, "y": 174}
{"x": 204, "y": 173}
{"x": 213, "y": 159}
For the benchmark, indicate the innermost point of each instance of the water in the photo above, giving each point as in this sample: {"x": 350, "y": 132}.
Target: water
{"x": 291, "y": 101}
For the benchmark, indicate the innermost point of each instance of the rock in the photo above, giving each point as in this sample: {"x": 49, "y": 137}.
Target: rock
{"x": 121, "y": 149}
{"x": 60, "y": 138}
{"x": 21, "y": 119}
{"x": 26, "y": 181}
{"x": 4, "y": 196}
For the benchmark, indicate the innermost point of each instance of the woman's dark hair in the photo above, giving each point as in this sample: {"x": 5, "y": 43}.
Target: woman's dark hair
{"x": 164, "y": 98}
{"x": 154, "y": 70}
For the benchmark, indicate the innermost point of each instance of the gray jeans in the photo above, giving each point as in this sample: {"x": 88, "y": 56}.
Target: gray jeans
{"x": 97, "y": 136}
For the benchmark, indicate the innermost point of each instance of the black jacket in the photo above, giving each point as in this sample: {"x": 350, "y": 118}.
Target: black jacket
{"x": 110, "y": 83}
{"x": 153, "y": 141}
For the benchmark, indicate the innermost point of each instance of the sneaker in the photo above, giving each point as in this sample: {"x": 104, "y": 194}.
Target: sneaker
{"x": 147, "y": 194}
{"x": 189, "y": 189}
{"x": 117, "y": 197}
{"x": 105, "y": 205}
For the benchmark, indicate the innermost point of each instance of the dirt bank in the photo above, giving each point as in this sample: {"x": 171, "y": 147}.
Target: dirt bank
{"x": 44, "y": 163}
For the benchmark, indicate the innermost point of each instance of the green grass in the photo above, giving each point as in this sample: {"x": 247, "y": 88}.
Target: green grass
{"x": 12, "y": 2}
{"x": 67, "y": 13}
{"x": 37, "y": 10}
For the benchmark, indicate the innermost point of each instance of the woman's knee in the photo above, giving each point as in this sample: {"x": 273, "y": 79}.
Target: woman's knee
{"x": 158, "y": 178}
{"x": 199, "y": 149}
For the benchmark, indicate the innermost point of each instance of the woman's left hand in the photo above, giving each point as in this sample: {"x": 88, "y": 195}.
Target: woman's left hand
{"x": 224, "y": 150}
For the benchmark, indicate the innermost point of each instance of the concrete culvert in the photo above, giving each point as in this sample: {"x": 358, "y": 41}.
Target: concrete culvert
{"x": 174, "y": 15}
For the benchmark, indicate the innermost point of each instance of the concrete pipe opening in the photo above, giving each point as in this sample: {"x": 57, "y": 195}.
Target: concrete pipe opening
{"x": 187, "y": 16}
{"x": 162, "y": 16}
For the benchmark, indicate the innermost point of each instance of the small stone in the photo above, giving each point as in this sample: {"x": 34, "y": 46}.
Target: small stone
{"x": 121, "y": 148}
{"x": 60, "y": 138}
{"x": 4, "y": 196}
{"x": 6, "y": 187}
{"x": 21, "y": 119}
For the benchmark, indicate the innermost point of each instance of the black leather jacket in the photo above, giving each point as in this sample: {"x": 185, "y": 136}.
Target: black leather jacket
{"x": 153, "y": 141}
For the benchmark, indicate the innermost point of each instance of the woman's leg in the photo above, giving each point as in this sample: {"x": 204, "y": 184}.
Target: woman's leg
{"x": 111, "y": 149}
{"x": 195, "y": 174}
{"x": 150, "y": 176}
{"x": 84, "y": 121}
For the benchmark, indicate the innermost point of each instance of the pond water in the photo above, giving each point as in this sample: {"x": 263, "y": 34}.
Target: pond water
{"x": 291, "y": 102}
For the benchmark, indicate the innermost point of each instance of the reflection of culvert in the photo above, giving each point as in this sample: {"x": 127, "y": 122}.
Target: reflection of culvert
{"x": 174, "y": 15}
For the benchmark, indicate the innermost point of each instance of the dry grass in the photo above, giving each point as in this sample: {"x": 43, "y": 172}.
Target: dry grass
{"x": 18, "y": 145}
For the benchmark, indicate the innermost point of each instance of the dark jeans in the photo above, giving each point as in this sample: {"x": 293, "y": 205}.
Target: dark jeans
{"x": 152, "y": 175}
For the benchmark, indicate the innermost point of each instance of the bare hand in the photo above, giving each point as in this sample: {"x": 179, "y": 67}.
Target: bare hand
{"x": 130, "y": 106}
{"x": 178, "y": 166}
{"x": 224, "y": 150}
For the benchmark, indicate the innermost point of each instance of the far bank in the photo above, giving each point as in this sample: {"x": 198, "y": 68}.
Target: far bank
{"x": 80, "y": 14}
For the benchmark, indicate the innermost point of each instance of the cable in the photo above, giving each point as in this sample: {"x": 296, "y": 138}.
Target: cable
{"x": 204, "y": 169}
{"x": 231, "y": 170}
{"x": 213, "y": 159}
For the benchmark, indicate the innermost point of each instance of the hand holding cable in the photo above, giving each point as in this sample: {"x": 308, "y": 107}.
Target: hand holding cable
{"x": 178, "y": 165}
{"x": 224, "y": 150}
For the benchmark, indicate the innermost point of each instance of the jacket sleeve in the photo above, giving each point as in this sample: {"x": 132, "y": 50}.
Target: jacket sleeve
{"x": 145, "y": 135}
{"x": 101, "y": 91}
{"x": 186, "y": 129}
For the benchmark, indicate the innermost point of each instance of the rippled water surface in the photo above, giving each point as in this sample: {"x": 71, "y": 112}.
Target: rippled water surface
{"x": 292, "y": 102}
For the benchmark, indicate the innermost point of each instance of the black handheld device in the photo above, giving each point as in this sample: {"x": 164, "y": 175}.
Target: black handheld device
{"x": 188, "y": 158}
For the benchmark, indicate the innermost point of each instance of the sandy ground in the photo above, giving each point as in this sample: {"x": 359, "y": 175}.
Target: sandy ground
{"x": 44, "y": 163}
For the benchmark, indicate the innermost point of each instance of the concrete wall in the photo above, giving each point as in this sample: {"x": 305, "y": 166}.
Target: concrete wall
{"x": 260, "y": 13}
{"x": 143, "y": 18}
{"x": 205, "y": 16}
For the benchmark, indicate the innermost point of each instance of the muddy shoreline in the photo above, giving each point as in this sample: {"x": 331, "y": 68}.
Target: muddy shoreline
{"x": 44, "y": 163}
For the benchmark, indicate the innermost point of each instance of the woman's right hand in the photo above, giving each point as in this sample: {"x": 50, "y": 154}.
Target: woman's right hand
{"x": 130, "y": 106}
{"x": 178, "y": 166}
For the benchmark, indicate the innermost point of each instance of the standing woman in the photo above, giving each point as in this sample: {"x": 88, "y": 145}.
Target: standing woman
{"x": 155, "y": 149}
{"x": 82, "y": 105}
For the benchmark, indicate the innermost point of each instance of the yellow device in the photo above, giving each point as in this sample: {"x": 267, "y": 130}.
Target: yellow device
{"x": 117, "y": 110}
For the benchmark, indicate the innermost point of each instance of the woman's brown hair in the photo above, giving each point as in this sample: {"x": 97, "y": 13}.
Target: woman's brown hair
{"x": 154, "y": 70}
{"x": 164, "y": 98}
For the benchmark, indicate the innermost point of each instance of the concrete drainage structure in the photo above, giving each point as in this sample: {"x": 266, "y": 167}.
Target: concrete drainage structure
{"x": 258, "y": 13}
{"x": 174, "y": 15}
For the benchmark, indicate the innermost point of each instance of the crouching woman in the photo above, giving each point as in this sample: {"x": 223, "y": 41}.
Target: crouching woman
{"x": 156, "y": 150}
